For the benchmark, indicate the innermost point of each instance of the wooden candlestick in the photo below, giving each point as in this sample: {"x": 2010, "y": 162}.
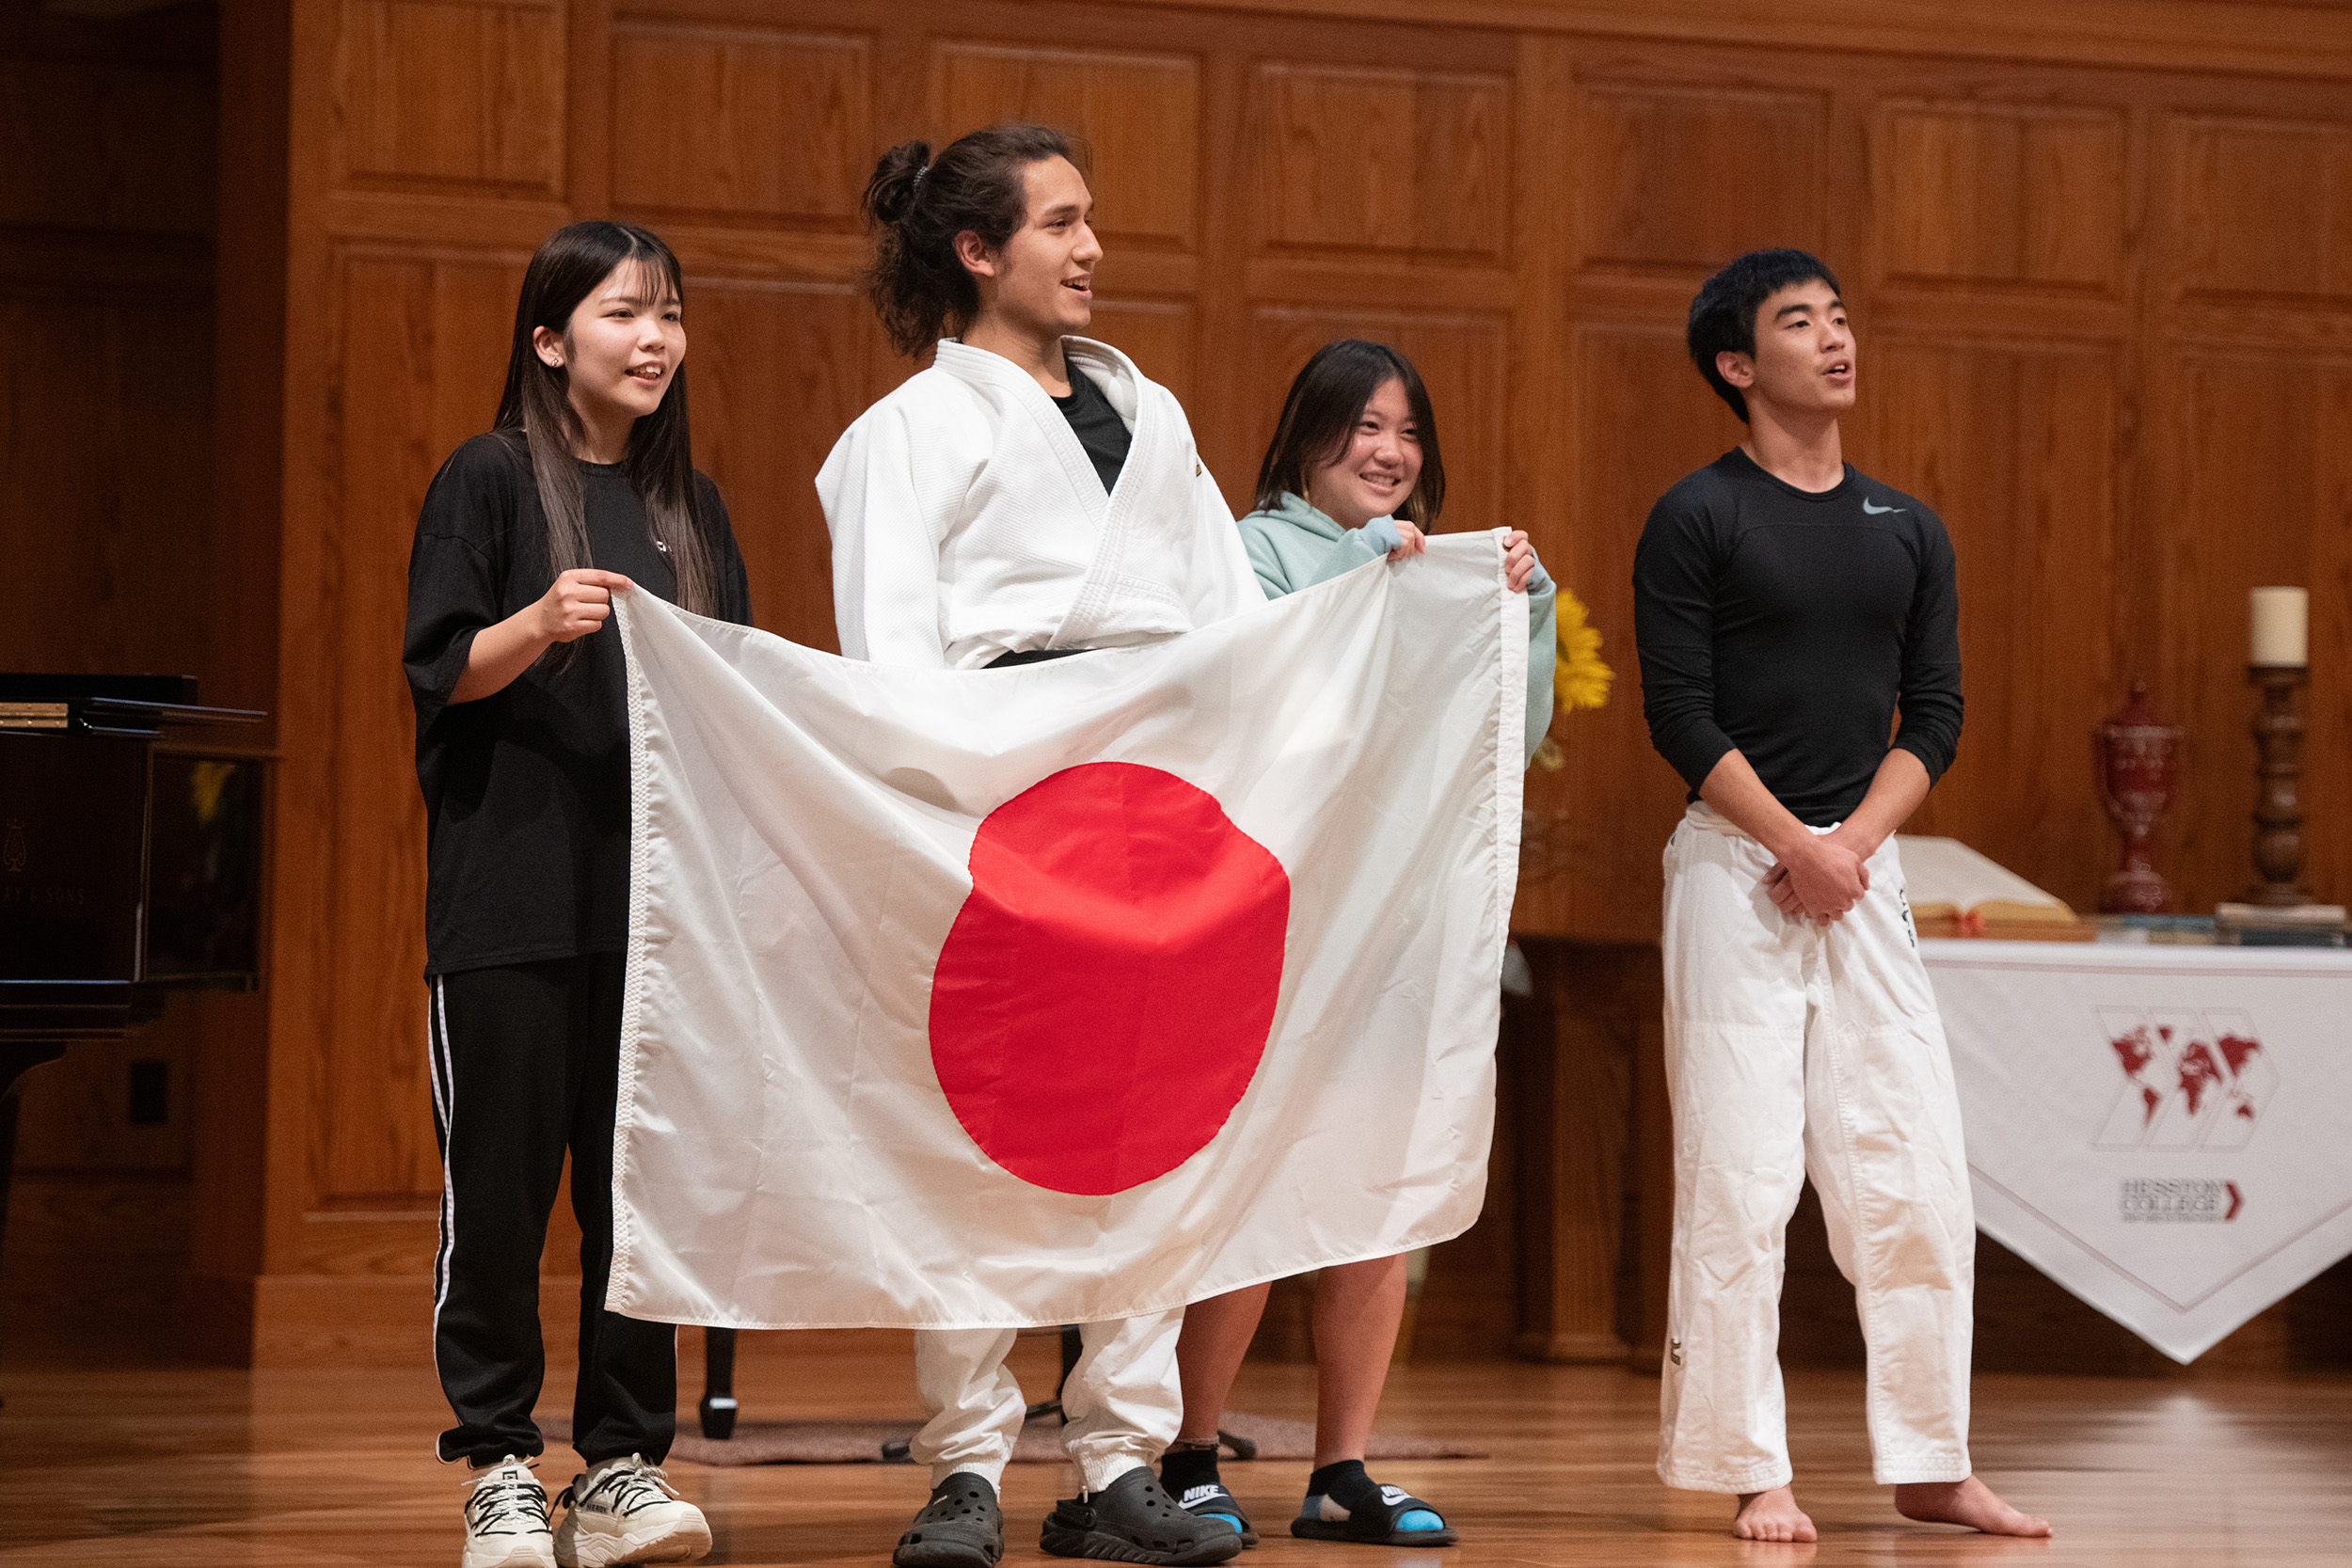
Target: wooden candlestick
{"x": 2278, "y": 814}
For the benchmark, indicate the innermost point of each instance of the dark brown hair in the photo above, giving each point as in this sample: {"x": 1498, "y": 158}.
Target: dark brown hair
{"x": 535, "y": 411}
{"x": 1319, "y": 417}
{"x": 916, "y": 205}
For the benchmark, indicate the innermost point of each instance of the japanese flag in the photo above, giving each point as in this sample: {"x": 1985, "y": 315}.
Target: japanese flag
{"x": 1067, "y": 992}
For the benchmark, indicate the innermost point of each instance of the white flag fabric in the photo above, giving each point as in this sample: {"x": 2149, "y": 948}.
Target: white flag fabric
{"x": 2160, "y": 1130}
{"x": 1067, "y": 992}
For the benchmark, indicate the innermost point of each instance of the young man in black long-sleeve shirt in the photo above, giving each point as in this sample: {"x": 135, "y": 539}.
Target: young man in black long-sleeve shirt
{"x": 1786, "y": 608}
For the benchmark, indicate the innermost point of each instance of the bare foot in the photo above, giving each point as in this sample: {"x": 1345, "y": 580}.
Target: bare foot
{"x": 1970, "y": 1503}
{"x": 1775, "y": 1516}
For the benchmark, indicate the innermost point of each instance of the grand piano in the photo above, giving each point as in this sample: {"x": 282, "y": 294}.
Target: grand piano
{"x": 130, "y": 839}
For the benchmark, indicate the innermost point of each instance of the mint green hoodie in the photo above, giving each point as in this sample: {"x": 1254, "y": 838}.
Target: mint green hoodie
{"x": 1295, "y": 546}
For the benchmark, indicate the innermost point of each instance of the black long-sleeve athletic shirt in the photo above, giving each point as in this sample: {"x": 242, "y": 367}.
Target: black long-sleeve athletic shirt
{"x": 1792, "y": 625}
{"x": 526, "y": 791}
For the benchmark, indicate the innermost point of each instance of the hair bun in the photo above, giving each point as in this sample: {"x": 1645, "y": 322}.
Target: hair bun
{"x": 890, "y": 194}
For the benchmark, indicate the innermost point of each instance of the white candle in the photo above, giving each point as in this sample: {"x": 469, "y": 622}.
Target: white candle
{"x": 2281, "y": 619}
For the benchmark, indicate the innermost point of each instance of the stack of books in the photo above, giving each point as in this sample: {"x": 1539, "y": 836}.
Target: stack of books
{"x": 2279, "y": 925}
{"x": 2180, "y": 930}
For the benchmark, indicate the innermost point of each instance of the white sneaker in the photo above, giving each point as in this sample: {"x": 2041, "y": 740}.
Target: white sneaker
{"x": 626, "y": 1511}
{"x": 506, "y": 1518}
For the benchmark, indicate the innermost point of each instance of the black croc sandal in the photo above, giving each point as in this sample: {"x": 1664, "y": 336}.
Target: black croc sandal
{"x": 1212, "y": 1501}
{"x": 1134, "y": 1520}
{"x": 960, "y": 1528}
{"x": 1321, "y": 1520}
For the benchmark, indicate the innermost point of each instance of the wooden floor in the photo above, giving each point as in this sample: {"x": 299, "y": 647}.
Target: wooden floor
{"x": 197, "y": 1467}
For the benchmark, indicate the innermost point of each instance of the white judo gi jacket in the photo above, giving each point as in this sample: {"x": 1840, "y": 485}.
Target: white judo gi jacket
{"x": 968, "y": 522}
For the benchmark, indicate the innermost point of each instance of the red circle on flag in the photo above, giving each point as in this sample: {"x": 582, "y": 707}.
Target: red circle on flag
{"x": 1104, "y": 995}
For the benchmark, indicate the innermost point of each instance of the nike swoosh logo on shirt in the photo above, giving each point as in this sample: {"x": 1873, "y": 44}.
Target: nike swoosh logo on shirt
{"x": 1878, "y": 510}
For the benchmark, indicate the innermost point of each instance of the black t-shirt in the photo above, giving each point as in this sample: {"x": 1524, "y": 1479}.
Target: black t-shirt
{"x": 1792, "y": 625}
{"x": 526, "y": 791}
{"x": 1096, "y": 424}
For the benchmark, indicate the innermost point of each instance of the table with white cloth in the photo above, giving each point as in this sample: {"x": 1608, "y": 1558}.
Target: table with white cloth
{"x": 2164, "y": 1130}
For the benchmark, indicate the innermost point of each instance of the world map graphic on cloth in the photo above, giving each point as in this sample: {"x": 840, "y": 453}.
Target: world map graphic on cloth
{"x": 2192, "y": 1079}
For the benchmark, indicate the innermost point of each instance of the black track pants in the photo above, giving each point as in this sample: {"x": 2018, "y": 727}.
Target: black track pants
{"x": 526, "y": 1061}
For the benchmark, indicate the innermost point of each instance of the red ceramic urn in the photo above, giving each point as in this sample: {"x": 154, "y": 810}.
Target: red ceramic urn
{"x": 2137, "y": 758}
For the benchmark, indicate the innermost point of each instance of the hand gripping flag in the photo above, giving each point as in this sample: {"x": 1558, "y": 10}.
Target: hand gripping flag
{"x": 1067, "y": 992}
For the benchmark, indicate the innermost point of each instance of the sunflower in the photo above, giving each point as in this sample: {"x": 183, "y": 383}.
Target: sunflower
{"x": 1579, "y": 678}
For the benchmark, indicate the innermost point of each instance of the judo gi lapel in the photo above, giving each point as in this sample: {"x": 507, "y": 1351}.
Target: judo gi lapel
{"x": 1019, "y": 390}
{"x": 1153, "y": 497}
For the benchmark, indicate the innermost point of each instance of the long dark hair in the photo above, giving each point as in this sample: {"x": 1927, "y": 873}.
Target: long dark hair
{"x": 535, "y": 411}
{"x": 916, "y": 205}
{"x": 1319, "y": 417}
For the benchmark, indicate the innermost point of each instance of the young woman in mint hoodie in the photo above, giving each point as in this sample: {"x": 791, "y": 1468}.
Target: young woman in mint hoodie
{"x": 1352, "y": 474}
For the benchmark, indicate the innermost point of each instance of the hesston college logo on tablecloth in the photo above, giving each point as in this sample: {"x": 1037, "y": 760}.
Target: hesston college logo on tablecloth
{"x": 2192, "y": 1080}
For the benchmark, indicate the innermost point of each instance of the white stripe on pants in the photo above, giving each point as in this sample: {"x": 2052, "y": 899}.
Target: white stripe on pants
{"x": 1121, "y": 1403}
{"x": 1796, "y": 1049}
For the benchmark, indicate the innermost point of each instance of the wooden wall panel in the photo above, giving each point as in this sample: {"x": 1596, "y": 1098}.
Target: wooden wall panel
{"x": 741, "y": 124}
{"x": 1593, "y": 832}
{"x": 2261, "y": 476}
{"x": 1160, "y": 336}
{"x": 1685, "y": 178}
{"x": 113, "y": 554}
{"x": 1410, "y": 162}
{"x": 463, "y": 94}
{"x": 424, "y": 351}
{"x": 2266, "y": 207}
{"x": 105, "y": 524}
{"x": 1140, "y": 114}
{"x": 753, "y": 349}
{"x": 2001, "y": 194}
{"x": 84, "y": 151}
{"x": 106, "y": 270}
{"x": 2006, "y": 446}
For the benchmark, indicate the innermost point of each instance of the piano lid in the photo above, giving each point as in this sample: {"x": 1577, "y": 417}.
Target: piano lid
{"x": 136, "y": 706}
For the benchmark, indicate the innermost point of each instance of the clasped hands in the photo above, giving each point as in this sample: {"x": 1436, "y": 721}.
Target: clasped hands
{"x": 1824, "y": 880}
{"x": 1519, "y": 556}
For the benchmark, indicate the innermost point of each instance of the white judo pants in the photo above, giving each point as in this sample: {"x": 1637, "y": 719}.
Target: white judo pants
{"x": 1794, "y": 1048}
{"x": 1121, "y": 1403}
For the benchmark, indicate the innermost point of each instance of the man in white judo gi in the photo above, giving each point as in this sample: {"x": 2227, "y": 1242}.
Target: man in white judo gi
{"x": 1786, "y": 607}
{"x": 1029, "y": 495}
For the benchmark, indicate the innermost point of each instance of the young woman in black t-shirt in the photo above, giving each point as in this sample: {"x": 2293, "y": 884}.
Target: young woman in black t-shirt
{"x": 585, "y": 487}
